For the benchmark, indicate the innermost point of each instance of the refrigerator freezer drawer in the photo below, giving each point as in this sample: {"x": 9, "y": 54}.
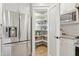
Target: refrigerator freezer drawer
{"x": 16, "y": 49}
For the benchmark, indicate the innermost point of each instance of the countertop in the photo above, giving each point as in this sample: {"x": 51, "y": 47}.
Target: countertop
{"x": 68, "y": 37}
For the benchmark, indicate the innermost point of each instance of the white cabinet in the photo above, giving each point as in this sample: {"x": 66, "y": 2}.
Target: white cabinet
{"x": 67, "y": 47}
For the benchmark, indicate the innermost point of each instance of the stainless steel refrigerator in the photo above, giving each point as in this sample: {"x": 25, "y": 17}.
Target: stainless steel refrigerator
{"x": 16, "y": 34}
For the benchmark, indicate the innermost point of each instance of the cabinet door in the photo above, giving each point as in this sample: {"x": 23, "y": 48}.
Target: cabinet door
{"x": 67, "y": 47}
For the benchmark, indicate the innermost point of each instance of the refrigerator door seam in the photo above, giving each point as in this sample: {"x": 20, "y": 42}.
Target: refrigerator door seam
{"x": 17, "y": 42}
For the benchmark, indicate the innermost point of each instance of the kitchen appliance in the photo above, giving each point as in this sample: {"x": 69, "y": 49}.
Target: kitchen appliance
{"x": 16, "y": 33}
{"x": 76, "y": 51}
{"x": 77, "y": 48}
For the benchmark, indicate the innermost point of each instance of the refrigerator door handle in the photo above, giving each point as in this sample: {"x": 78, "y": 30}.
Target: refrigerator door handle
{"x": 19, "y": 32}
{"x": 27, "y": 30}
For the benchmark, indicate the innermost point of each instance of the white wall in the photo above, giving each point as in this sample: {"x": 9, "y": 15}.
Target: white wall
{"x": 72, "y": 29}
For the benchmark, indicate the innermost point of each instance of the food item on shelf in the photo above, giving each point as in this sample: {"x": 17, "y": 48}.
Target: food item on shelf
{"x": 41, "y": 37}
{"x": 37, "y": 32}
{"x": 42, "y": 22}
{"x": 37, "y": 38}
{"x": 43, "y": 28}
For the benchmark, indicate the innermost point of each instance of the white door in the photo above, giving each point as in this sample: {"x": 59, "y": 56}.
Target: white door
{"x": 54, "y": 29}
